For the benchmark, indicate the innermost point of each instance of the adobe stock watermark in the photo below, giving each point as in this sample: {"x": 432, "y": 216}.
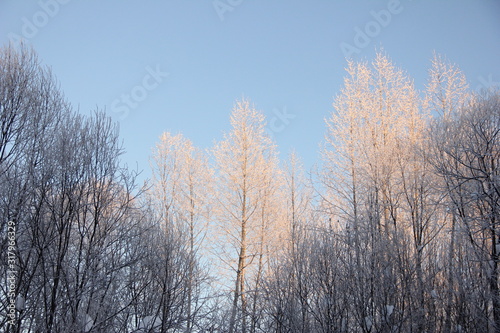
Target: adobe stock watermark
{"x": 223, "y": 6}
{"x": 371, "y": 29}
{"x": 31, "y": 26}
{"x": 11, "y": 274}
{"x": 279, "y": 121}
{"x": 138, "y": 93}
{"x": 487, "y": 83}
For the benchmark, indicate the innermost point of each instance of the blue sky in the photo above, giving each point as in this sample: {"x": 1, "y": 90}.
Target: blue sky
{"x": 287, "y": 57}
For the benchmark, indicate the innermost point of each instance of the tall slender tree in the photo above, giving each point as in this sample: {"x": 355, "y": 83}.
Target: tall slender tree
{"x": 246, "y": 162}
{"x": 181, "y": 185}
{"x": 447, "y": 91}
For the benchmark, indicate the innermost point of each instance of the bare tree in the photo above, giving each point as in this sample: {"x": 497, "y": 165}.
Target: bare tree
{"x": 71, "y": 201}
{"x": 30, "y": 107}
{"x": 467, "y": 158}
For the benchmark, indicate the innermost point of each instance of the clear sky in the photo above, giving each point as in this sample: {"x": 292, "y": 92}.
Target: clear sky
{"x": 286, "y": 56}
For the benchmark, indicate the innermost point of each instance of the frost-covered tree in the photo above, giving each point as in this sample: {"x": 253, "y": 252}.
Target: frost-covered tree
{"x": 467, "y": 153}
{"x": 447, "y": 92}
{"x": 378, "y": 190}
{"x": 180, "y": 191}
{"x": 30, "y": 108}
{"x": 246, "y": 177}
{"x": 298, "y": 197}
{"x": 73, "y": 205}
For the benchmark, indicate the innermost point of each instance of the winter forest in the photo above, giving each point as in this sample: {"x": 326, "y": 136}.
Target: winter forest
{"x": 397, "y": 229}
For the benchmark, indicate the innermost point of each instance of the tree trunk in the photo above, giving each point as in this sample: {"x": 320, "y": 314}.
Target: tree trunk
{"x": 449, "y": 301}
{"x": 239, "y": 291}
{"x": 495, "y": 293}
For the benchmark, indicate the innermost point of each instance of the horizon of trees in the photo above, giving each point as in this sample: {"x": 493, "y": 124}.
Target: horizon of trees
{"x": 396, "y": 231}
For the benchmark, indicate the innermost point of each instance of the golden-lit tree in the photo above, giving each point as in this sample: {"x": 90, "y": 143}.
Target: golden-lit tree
{"x": 247, "y": 178}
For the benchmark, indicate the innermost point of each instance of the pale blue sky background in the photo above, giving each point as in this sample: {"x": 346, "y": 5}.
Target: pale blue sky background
{"x": 285, "y": 56}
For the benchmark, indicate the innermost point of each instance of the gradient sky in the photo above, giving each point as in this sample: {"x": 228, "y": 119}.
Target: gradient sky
{"x": 285, "y": 56}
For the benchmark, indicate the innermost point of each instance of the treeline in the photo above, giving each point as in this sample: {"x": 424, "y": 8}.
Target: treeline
{"x": 89, "y": 255}
{"x": 395, "y": 231}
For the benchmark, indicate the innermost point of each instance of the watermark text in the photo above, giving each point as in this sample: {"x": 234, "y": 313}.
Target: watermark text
{"x": 138, "y": 93}
{"x": 31, "y": 26}
{"x": 11, "y": 273}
